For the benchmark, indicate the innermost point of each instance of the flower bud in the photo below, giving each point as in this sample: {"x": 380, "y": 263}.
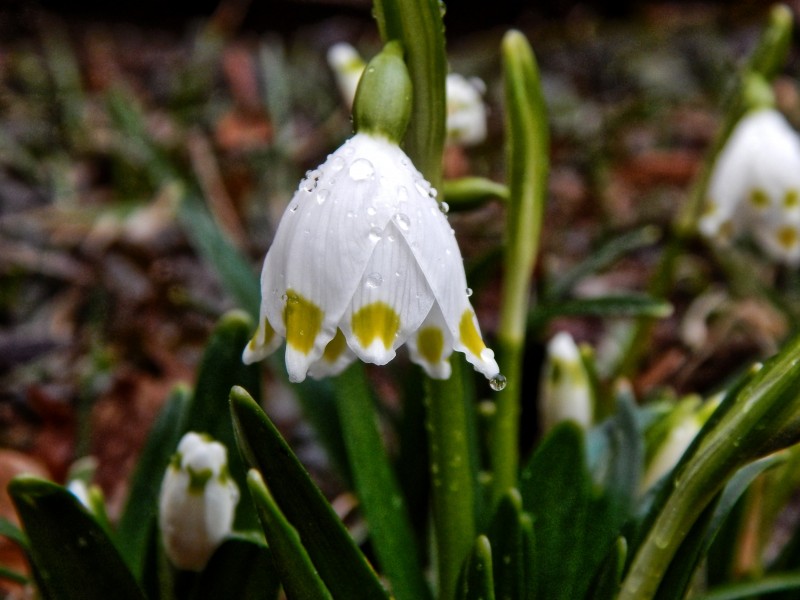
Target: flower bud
{"x": 565, "y": 392}
{"x": 198, "y": 501}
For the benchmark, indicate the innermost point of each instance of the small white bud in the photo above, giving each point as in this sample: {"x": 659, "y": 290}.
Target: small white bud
{"x": 565, "y": 393}
{"x": 197, "y": 503}
{"x": 466, "y": 112}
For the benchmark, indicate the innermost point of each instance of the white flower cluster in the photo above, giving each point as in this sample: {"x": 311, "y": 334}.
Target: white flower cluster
{"x": 755, "y": 187}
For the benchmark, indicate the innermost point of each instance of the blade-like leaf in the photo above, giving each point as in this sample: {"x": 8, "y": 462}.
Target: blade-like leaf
{"x": 341, "y": 565}
{"x": 477, "y": 579}
{"x": 72, "y": 555}
{"x": 240, "y": 568}
{"x": 606, "y": 583}
{"x": 508, "y": 553}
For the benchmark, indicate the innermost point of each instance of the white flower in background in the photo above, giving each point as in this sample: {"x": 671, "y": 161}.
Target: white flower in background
{"x": 364, "y": 260}
{"x": 347, "y": 66}
{"x": 197, "y": 503}
{"x": 755, "y": 187}
{"x": 466, "y": 112}
{"x": 565, "y": 393}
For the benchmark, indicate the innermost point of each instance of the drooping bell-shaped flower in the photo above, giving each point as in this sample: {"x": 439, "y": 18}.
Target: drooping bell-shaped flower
{"x": 197, "y": 501}
{"x": 347, "y": 66}
{"x": 565, "y": 392}
{"x": 364, "y": 260}
{"x": 755, "y": 187}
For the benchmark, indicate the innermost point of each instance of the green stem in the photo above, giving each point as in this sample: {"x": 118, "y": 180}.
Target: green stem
{"x": 453, "y": 492}
{"x": 527, "y": 158}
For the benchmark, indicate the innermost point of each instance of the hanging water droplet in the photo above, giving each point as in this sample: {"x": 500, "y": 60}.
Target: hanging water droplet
{"x": 371, "y": 211}
{"x": 469, "y": 292}
{"x": 402, "y": 220}
{"x": 284, "y": 298}
{"x": 294, "y": 207}
{"x": 432, "y": 192}
{"x": 498, "y": 382}
{"x": 375, "y": 234}
{"x": 402, "y": 194}
{"x": 351, "y": 214}
{"x": 444, "y": 207}
{"x": 322, "y": 195}
{"x": 373, "y": 280}
{"x": 361, "y": 169}
{"x": 397, "y": 273}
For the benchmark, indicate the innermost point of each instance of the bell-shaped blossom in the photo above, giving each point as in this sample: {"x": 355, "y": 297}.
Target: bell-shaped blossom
{"x": 363, "y": 261}
{"x": 466, "y": 112}
{"x": 197, "y": 502}
{"x": 755, "y": 187}
{"x": 347, "y": 66}
{"x": 565, "y": 393}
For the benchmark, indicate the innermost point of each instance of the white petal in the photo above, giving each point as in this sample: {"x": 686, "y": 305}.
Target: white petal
{"x": 336, "y": 358}
{"x": 390, "y": 303}
{"x": 431, "y": 346}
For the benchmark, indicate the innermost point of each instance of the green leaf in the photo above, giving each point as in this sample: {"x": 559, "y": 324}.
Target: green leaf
{"x": 477, "y": 579}
{"x": 695, "y": 547}
{"x": 468, "y": 192}
{"x": 14, "y": 533}
{"x": 138, "y": 520}
{"x": 376, "y": 486}
{"x": 618, "y": 305}
{"x": 73, "y": 557}
{"x": 220, "y": 369}
{"x": 417, "y": 24}
{"x": 239, "y": 568}
{"x": 296, "y": 571}
{"x": 341, "y": 565}
{"x": 574, "y": 528}
{"x": 771, "y": 584}
{"x": 11, "y": 575}
{"x": 233, "y": 269}
{"x": 508, "y": 552}
{"x": 606, "y": 584}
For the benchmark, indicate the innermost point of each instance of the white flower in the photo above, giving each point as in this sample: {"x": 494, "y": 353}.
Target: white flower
{"x": 755, "y": 187}
{"x": 466, "y": 112}
{"x": 197, "y": 503}
{"x": 347, "y": 66}
{"x": 565, "y": 393}
{"x": 364, "y": 261}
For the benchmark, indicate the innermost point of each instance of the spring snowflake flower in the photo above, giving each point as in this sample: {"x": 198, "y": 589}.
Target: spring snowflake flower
{"x": 364, "y": 260}
{"x": 565, "y": 393}
{"x": 197, "y": 502}
{"x": 755, "y": 187}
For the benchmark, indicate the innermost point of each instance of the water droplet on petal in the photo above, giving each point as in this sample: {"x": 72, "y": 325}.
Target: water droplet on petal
{"x": 361, "y": 169}
{"x": 284, "y": 298}
{"x": 322, "y": 195}
{"x": 432, "y": 192}
{"x": 375, "y": 234}
{"x": 337, "y": 164}
{"x": 402, "y": 220}
{"x": 469, "y": 292}
{"x": 444, "y": 207}
{"x": 373, "y": 280}
{"x": 371, "y": 211}
{"x": 498, "y": 382}
{"x": 294, "y": 207}
{"x": 402, "y": 194}
{"x": 351, "y": 214}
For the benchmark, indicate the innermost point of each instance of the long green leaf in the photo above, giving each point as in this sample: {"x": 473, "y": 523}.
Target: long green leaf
{"x": 771, "y": 584}
{"x": 239, "y": 568}
{"x": 618, "y": 305}
{"x": 72, "y": 555}
{"x": 340, "y": 563}
{"x": 296, "y": 571}
{"x": 381, "y": 499}
{"x": 508, "y": 552}
{"x": 477, "y": 578}
{"x": 138, "y": 519}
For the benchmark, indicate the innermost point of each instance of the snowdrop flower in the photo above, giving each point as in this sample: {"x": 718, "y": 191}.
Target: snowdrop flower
{"x": 197, "y": 502}
{"x": 364, "y": 260}
{"x": 565, "y": 393}
{"x": 755, "y": 187}
{"x": 347, "y": 66}
{"x": 466, "y": 112}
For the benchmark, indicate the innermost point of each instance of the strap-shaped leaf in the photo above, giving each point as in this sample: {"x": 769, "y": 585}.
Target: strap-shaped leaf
{"x": 477, "y": 577}
{"x": 240, "y": 568}
{"x": 508, "y": 551}
{"x": 606, "y": 584}
{"x": 138, "y": 520}
{"x": 340, "y": 563}
{"x": 71, "y": 553}
{"x": 381, "y": 498}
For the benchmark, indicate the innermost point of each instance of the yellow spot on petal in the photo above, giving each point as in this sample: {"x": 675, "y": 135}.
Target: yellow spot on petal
{"x": 303, "y": 320}
{"x": 469, "y": 334}
{"x": 262, "y": 337}
{"x": 791, "y": 198}
{"x": 430, "y": 343}
{"x": 376, "y": 320}
{"x": 759, "y": 198}
{"x": 787, "y": 237}
{"x": 335, "y": 347}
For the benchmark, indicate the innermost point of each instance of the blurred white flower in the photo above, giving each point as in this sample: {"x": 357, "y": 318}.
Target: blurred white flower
{"x": 755, "y": 187}
{"x": 565, "y": 392}
{"x": 197, "y": 503}
{"x": 466, "y": 111}
{"x": 364, "y": 260}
